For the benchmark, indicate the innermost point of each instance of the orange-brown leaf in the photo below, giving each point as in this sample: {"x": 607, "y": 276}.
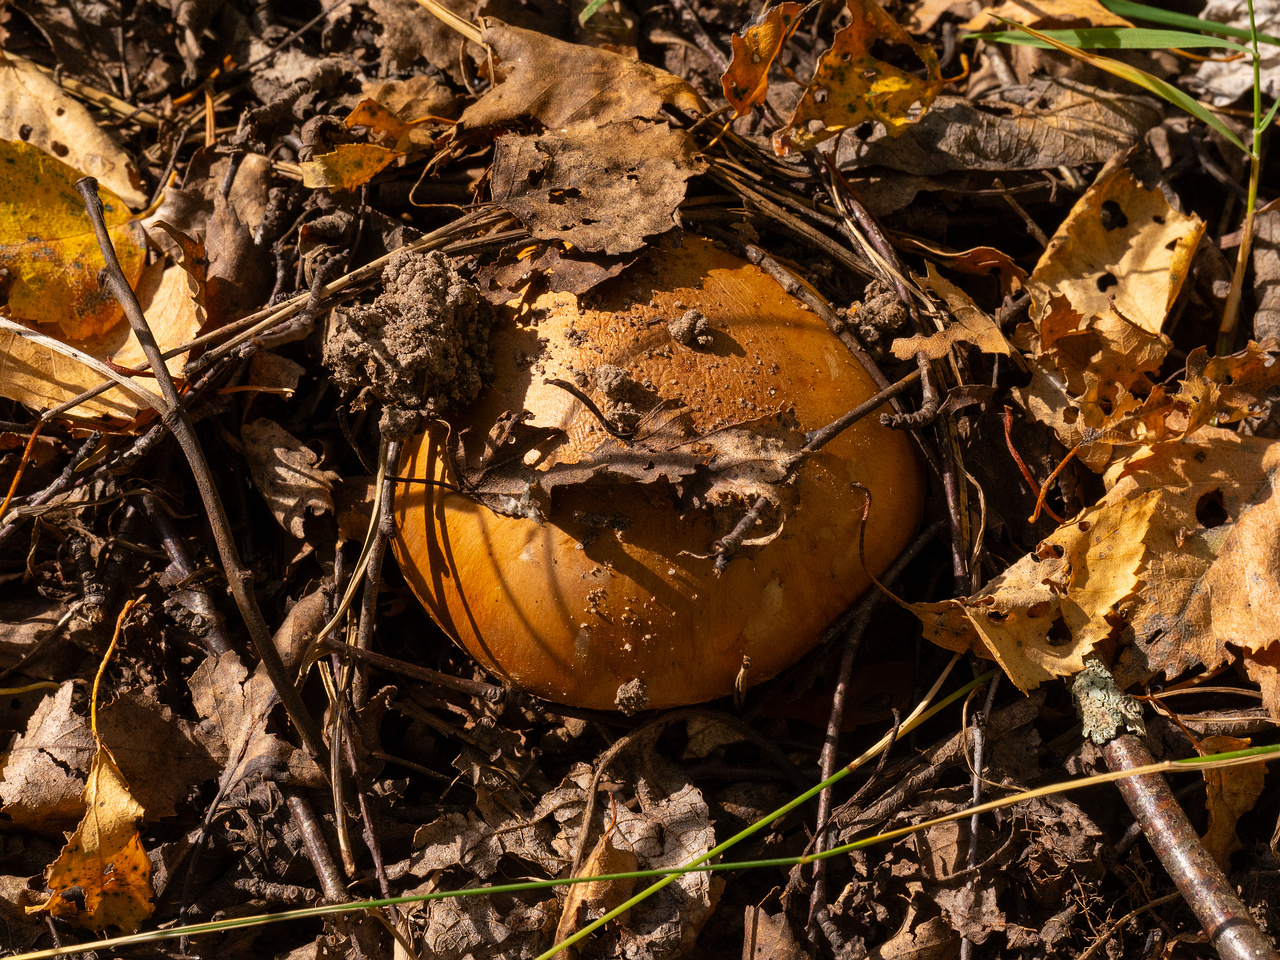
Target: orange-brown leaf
{"x": 746, "y": 82}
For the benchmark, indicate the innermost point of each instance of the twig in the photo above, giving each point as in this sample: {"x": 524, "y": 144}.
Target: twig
{"x": 214, "y": 634}
{"x": 1113, "y": 720}
{"x": 1231, "y": 928}
{"x": 979, "y": 748}
{"x": 179, "y": 423}
{"x": 830, "y": 745}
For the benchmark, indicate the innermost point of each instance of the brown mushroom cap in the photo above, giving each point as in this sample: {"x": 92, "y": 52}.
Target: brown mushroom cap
{"x": 616, "y": 586}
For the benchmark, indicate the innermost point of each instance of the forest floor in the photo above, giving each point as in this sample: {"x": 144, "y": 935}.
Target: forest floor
{"x": 225, "y": 700}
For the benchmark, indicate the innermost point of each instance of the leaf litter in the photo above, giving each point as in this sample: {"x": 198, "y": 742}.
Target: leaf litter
{"x": 588, "y": 149}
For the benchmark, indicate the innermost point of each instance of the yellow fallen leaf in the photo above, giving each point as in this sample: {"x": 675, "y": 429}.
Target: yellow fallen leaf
{"x": 36, "y": 110}
{"x": 1122, "y": 246}
{"x": 102, "y": 878}
{"x": 41, "y": 377}
{"x": 48, "y": 249}
{"x": 349, "y": 166}
{"x": 852, "y": 86}
{"x": 1043, "y": 616}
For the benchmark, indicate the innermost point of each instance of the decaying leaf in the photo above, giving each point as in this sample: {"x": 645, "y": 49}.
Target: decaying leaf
{"x": 1229, "y": 794}
{"x": 587, "y": 901}
{"x": 1049, "y": 122}
{"x": 285, "y": 473}
{"x": 48, "y": 253}
{"x": 1045, "y": 614}
{"x": 37, "y": 111}
{"x": 605, "y": 87}
{"x": 853, "y": 85}
{"x": 746, "y": 83}
{"x": 600, "y": 188}
{"x": 971, "y": 325}
{"x": 103, "y": 876}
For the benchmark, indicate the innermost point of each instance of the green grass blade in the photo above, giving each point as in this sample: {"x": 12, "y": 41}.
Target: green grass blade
{"x": 1127, "y": 8}
{"x": 589, "y": 10}
{"x": 1271, "y": 115}
{"x": 1165, "y": 91}
{"x": 1116, "y": 38}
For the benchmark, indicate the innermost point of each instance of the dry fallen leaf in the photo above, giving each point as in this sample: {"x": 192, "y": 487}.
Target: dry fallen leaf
{"x": 49, "y": 257}
{"x": 1048, "y": 13}
{"x": 746, "y": 83}
{"x": 1122, "y": 244}
{"x": 44, "y": 768}
{"x": 37, "y": 111}
{"x": 600, "y": 188}
{"x": 587, "y": 901}
{"x": 561, "y": 84}
{"x": 1050, "y": 122}
{"x": 285, "y": 473}
{"x": 971, "y": 324}
{"x": 853, "y": 85}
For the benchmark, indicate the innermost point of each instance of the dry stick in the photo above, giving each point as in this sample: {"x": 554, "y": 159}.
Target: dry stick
{"x": 1113, "y": 720}
{"x": 1197, "y": 876}
{"x": 979, "y": 744}
{"x": 317, "y": 849}
{"x": 373, "y": 572}
{"x": 830, "y": 745}
{"x": 1206, "y": 890}
{"x": 175, "y": 417}
{"x": 215, "y": 633}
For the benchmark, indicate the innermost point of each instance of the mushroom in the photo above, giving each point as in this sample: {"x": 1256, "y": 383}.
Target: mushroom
{"x": 574, "y": 561}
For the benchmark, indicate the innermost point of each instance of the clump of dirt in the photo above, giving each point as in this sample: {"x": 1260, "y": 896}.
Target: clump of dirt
{"x": 422, "y": 344}
{"x": 879, "y": 317}
{"x": 692, "y": 329}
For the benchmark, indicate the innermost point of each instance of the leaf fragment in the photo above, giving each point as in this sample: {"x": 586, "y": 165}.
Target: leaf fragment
{"x": 745, "y": 83}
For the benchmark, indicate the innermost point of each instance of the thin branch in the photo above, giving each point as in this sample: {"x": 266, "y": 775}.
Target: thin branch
{"x": 179, "y": 423}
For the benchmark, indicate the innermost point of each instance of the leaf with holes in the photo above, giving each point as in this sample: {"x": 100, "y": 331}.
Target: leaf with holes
{"x": 853, "y": 83}
{"x": 1043, "y": 616}
{"x": 746, "y": 82}
{"x": 102, "y": 878}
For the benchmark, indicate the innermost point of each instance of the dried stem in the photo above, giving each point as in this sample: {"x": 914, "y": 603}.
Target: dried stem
{"x": 175, "y": 417}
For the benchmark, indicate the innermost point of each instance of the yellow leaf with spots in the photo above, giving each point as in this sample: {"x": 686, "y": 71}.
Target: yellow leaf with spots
{"x": 852, "y": 85}
{"x": 102, "y": 878}
{"x": 49, "y": 258}
{"x": 1045, "y": 614}
{"x": 349, "y": 166}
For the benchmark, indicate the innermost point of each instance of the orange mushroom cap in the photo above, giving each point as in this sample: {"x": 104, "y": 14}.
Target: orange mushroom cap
{"x": 616, "y": 590}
